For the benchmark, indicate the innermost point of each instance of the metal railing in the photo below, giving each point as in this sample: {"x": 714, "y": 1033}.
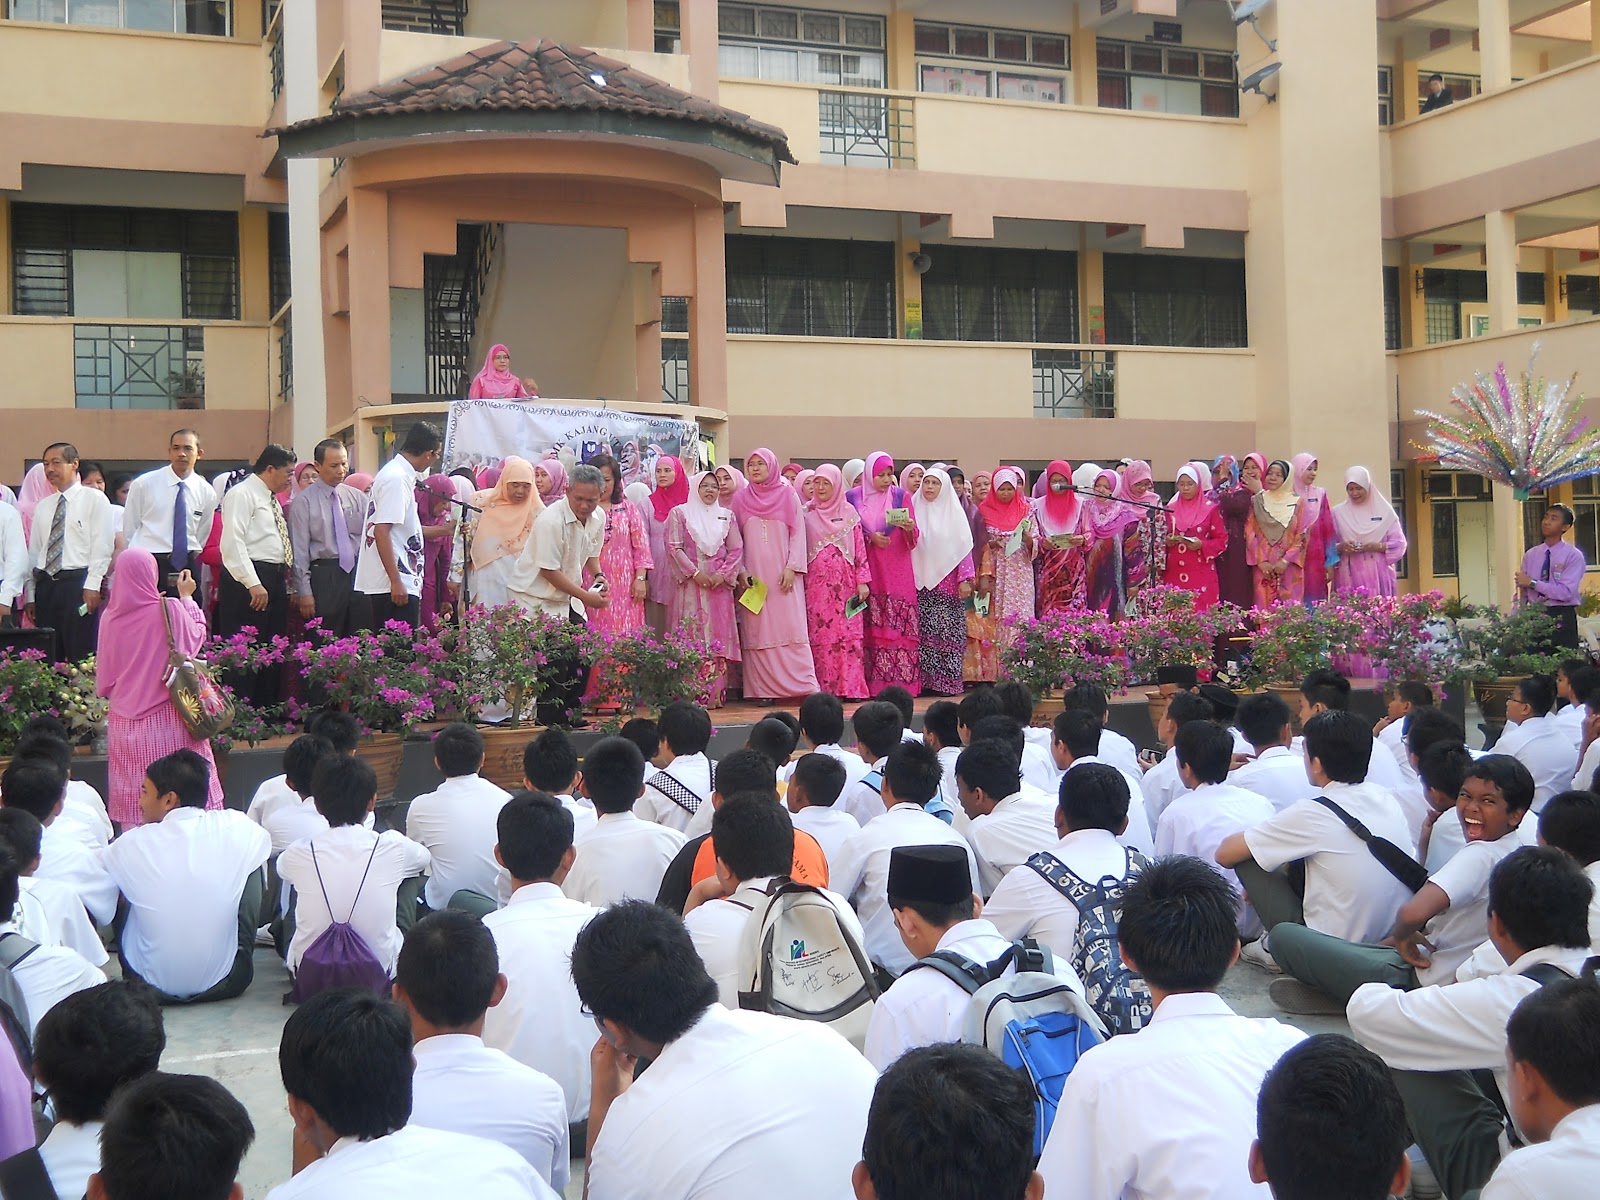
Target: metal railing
{"x": 426, "y": 16}
{"x": 285, "y": 355}
{"x": 133, "y": 366}
{"x": 453, "y": 287}
{"x": 867, "y": 129}
{"x": 1075, "y": 383}
{"x": 675, "y": 370}
{"x": 275, "y": 58}
{"x": 157, "y": 16}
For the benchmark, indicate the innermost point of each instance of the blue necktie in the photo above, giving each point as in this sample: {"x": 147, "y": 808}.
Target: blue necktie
{"x": 180, "y": 529}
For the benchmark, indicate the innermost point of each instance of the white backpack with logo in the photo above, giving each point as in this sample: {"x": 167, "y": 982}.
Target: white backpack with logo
{"x": 801, "y": 956}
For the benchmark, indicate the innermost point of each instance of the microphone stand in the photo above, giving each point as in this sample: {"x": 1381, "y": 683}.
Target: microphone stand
{"x": 464, "y": 528}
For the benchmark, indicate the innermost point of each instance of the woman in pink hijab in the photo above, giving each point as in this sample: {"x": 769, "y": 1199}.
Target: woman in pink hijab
{"x": 1108, "y": 520}
{"x": 1322, "y": 538}
{"x": 360, "y": 480}
{"x": 130, "y": 671}
{"x": 1197, "y": 536}
{"x": 1144, "y": 545}
{"x": 836, "y": 573}
{"x": 550, "y": 480}
{"x": 671, "y": 490}
{"x": 496, "y": 381}
{"x": 1060, "y": 514}
{"x": 804, "y": 488}
{"x": 893, "y": 636}
{"x": 35, "y": 487}
{"x": 704, "y": 557}
{"x": 776, "y": 648}
{"x": 437, "y": 516}
{"x": 1005, "y": 570}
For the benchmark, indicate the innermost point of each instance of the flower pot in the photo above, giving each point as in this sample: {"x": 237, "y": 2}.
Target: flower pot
{"x": 502, "y": 752}
{"x": 1289, "y": 693}
{"x": 383, "y": 752}
{"x": 1491, "y": 696}
{"x": 1044, "y": 711}
{"x": 1158, "y": 708}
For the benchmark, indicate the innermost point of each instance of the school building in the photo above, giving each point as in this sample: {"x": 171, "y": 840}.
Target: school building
{"x": 971, "y": 230}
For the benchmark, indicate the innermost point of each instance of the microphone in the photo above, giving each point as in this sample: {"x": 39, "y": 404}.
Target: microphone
{"x": 448, "y": 499}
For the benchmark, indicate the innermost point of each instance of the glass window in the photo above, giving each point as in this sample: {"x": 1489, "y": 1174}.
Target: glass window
{"x": 1113, "y": 91}
{"x": 821, "y": 27}
{"x": 978, "y": 294}
{"x": 932, "y": 39}
{"x": 1445, "y": 562}
{"x": 1111, "y": 56}
{"x": 780, "y": 23}
{"x": 1397, "y": 497}
{"x": 972, "y": 43}
{"x": 1146, "y": 60}
{"x": 1172, "y": 300}
{"x": 863, "y": 31}
{"x": 1049, "y": 51}
{"x": 1586, "y": 508}
{"x": 1183, "y": 62}
{"x": 1219, "y": 66}
{"x": 1011, "y": 47}
{"x": 809, "y": 287}
{"x": 736, "y": 20}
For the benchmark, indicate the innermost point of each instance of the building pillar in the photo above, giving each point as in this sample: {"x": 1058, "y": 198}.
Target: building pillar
{"x": 902, "y": 48}
{"x": 247, "y": 22}
{"x": 1505, "y": 530}
{"x": 1555, "y": 282}
{"x": 699, "y": 34}
{"x": 1594, "y": 28}
{"x": 1494, "y": 44}
{"x": 1407, "y": 84}
{"x": 641, "y": 25}
{"x": 908, "y": 284}
{"x": 1092, "y": 287}
{"x": 646, "y": 279}
{"x": 1500, "y": 255}
{"x": 370, "y": 366}
{"x": 255, "y": 289}
{"x": 708, "y": 312}
{"x": 5, "y": 259}
{"x": 302, "y": 101}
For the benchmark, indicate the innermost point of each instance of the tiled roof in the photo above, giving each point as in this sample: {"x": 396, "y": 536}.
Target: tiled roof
{"x": 538, "y": 76}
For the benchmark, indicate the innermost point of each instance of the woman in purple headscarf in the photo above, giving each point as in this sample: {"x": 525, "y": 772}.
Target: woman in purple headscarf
{"x": 550, "y": 480}
{"x": 892, "y": 637}
{"x": 438, "y": 535}
{"x": 1108, "y": 519}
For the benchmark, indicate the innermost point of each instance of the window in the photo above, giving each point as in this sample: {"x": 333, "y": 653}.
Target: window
{"x": 808, "y": 287}
{"x": 1397, "y": 497}
{"x": 976, "y": 294}
{"x": 801, "y": 46}
{"x": 1385, "y": 95}
{"x": 1586, "y": 508}
{"x": 669, "y": 27}
{"x": 279, "y": 284}
{"x": 209, "y": 17}
{"x": 994, "y": 45}
{"x": 1583, "y": 294}
{"x": 124, "y": 262}
{"x": 1167, "y": 300}
{"x": 1391, "y": 308}
{"x": 1175, "y": 79}
{"x": 1445, "y": 558}
{"x": 1460, "y": 87}
{"x": 426, "y": 16}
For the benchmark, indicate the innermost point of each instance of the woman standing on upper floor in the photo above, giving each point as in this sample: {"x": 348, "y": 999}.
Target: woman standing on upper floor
{"x": 836, "y": 573}
{"x": 942, "y": 562}
{"x": 496, "y": 381}
{"x": 892, "y": 636}
{"x": 672, "y": 490}
{"x": 705, "y": 554}
{"x": 1275, "y": 539}
{"x": 775, "y": 648}
{"x": 1197, "y": 536}
{"x": 1317, "y": 522}
{"x": 1062, "y": 568}
{"x": 1005, "y": 572}
{"x": 624, "y": 558}
{"x": 1232, "y": 489}
{"x": 1370, "y": 538}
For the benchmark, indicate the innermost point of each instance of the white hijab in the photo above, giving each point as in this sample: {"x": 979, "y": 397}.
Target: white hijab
{"x": 708, "y": 524}
{"x": 1368, "y": 521}
{"x": 944, "y": 535}
{"x": 1083, "y": 478}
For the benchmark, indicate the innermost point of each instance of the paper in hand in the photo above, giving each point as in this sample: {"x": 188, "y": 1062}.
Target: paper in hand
{"x": 755, "y": 596}
{"x": 1014, "y": 542}
{"x": 898, "y": 517}
{"x": 854, "y": 607}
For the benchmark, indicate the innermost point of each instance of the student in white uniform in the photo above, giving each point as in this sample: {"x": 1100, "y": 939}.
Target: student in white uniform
{"x": 1328, "y": 691}
{"x": 1115, "y": 749}
{"x": 1554, "y": 1095}
{"x": 906, "y": 703}
{"x": 172, "y": 1135}
{"x": 456, "y": 821}
{"x": 774, "y": 737}
{"x": 1441, "y": 770}
{"x": 47, "y": 912}
{"x": 734, "y": 1103}
{"x": 822, "y": 729}
{"x": 84, "y": 1049}
{"x": 46, "y": 974}
{"x": 878, "y": 727}
{"x": 1039, "y": 770}
{"x": 1161, "y": 784}
{"x": 350, "y": 873}
{"x": 1076, "y": 744}
{"x": 193, "y": 883}
{"x": 38, "y": 786}
{"x": 1329, "y": 1122}
{"x": 1131, "y": 1123}
{"x": 83, "y": 811}
{"x": 682, "y": 786}
{"x": 908, "y": 1150}
{"x": 299, "y": 819}
{"x": 1575, "y": 680}
{"x": 1540, "y": 743}
{"x": 1276, "y": 771}
{"x": 1005, "y": 825}
{"x": 941, "y": 730}
{"x": 1436, "y": 1037}
{"x": 812, "y": 799}
{"x": 538, "y": 1021}
{"x": 345, "y": 1059}
{"x": 911, "y": 779}
{"x": 447, "y": 978}
{"x": 339, "y": 729}
{"x": 1017, "y": 702}
{"x": 622, "y": 857}
{"x": 550, "y": 765}
{"x": 1405, "y": 697}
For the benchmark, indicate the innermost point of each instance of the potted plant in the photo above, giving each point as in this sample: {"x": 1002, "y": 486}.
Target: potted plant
{"x": 29, "y": 685}
{"x": 1290, "y": 641}
{"x": 187, "y": 386}
{"x": 1164, "y": 628}
{"x": 1499, "y": 650}
{"x": 516, "y": 656}
{"x": 1064, "y": 648}
{"x": 643, "y": 669}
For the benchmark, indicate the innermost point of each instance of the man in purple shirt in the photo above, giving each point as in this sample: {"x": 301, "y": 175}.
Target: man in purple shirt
{"x": 1552, "y": 575}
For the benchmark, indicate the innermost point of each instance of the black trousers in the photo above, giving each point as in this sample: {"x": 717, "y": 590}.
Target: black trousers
{"x": 564, "y": 698}
{"x": 56, "y": 602}
{"x": 341, "y": 609}
{"x": 384, "y": 609}
{"x": 164, "y": 568}
{"x": 1566, "y": 634}
{"x": 261, "y": 688}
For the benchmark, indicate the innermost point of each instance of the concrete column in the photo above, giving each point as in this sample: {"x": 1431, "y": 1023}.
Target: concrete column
{"x": 1506, "y": 540}
{"x": 699, "y": 32}
{"x": 908, "y": 310}
{"x": 1407, "y": 77}
{"x": 1092, "y": 288}
{"x": 902, "y": 49}
{"x": 370, "y": 367}
{"x": 302, "y": 101}
{"x": 1494, "y": 44}
{"x": 1500, "y": 252}
{"x": 1594, "y": 28}
{"x": 708, "y": 312}
{"x": 1085, "y": 68}
{"x": 255, "y": 290}
{"x": 646, "y": 282}
{"x": 641, "y": 25}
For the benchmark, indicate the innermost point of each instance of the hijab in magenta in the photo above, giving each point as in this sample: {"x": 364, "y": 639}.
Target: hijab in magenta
{"x": 132, "y": 659}
{"x": 488, "y": 478}
{"x": 360, "y": 480}
{"x": 664, "y": 499}
{"x": 837, "y": 515}
{"x": 1192, "y": 514}
{"x": 770, "y": 500}
{"x": 876, "y": 502}
{"x": 558, "y": 479}
{"x": 435, "y": 511}
{"x": 1300, "y": 466}
{"x": 491, "y": 383}
{"x": 997, "y": 515}
{"x": 1108, "y": 515}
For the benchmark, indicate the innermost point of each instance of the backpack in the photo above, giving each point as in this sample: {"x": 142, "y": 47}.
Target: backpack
{"x": 340, "y": 956}
{"x": 1119, "y": 995}
{"x": 14, "y": 1021}
{"x": 798, "y": 959}
{"x": 1031, "y": 1020}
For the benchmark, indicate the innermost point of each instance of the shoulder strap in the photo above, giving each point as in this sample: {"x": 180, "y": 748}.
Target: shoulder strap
{"x": 1546, "y": 973}
{"x": 25, "y": 1177}
{"x": 1353, "y": 825}
{"x": 1077, "y": 890}
{"x": 1394, "y": 859}
{"x": 874, "y": 780}
{"x": 677, "y": 791}
{"x": 326, "y": 903}
{"x": 963, "y": 972}
{"x": 14, "y": 948}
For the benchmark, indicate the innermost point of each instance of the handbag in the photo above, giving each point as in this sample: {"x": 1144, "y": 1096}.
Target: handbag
{"x": 203, "y": 707}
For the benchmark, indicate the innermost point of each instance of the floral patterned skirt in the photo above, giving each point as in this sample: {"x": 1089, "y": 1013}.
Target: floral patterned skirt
{"x": 943, "y": 625}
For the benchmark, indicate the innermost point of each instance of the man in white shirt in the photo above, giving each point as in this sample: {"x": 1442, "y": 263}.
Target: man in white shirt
{"x": 1575, "y": 680}
{"x": 299, "y": 819}
{"x": 69, "y": 550}
{"x": 340, "y": 730}
{"x": 1538, "y": 742}
{"x": 325, "y": 526}
{"x": 1161, "y": 784}
{"x": 389, "y": 568}
{"x": 37, "y": 785}
{"x": 193, "y": 883}
{"x": 15, "y": 565}
{"x": 48, "y": 912}
{"x": 1115, "y": 749}
{"x": 539, "y": 1019}
{"x": 910, "y": 779}
{"x": 764, "y": 1077}
{"x": 941, "y": 729}
{"x": 1328, "y": 691}
{"x": 813, "y": 791}
{"x": 1552, "y": 1095}
{"x": 622, "y": 857}
{"x": 45, "y": 973}
{"x": 1075, "y": 745}
{"x": 84, "y": 1049}
{"x": 822, "y": 728}
{"x": 171, "y": 1135}
{"x": 82, "y": 809}
{"x": 1276, "y": 771}
{"x": 1005, "y": 825}
{"x": 878, "y": 727}
{"x": 1016, "y": 702}
{"x": 253, "y": 588}
{"x": 550, "y": 765}
{"x": 169, "y": 510}
{"x": 347, "y": 1053}
{"x": 1435, "y": 1037}
{"x": 456, "y": 821}
{"x": 1132, "y": 1120}
{"x": 675, "y": 794}
{"x": 447, "y": 979}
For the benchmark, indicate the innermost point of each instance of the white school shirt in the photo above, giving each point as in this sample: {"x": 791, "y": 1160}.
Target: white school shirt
{"x": 717, "y": 928}
{"x": 1584, "y": 775}
{"x": 863, "y": 800}
{"x": 416, "y": 1161}
{"x": 1026, "y": 904}
{"x": 271, "y": 794}
{"x": 1564, "y": 1166}
{"x": 1119, "y": 752}
{"x": 183, "y": 878}
{"x": 50, "y": 913}
{"x": 84, "y": 812}
{"x": 862, "y": 875}
{"x": 693, "y": 771}
{"x": 250, "y": 530}
{"x": 621, "y": 858}
{"x": 1160, "y": 784}
{"x": 297, "y": 822}
{"x": 539, "y": 1021}
{"x": 463, "y": 1086}
{"x": 1167, "y": 1113}
{"x": 1392, "y": 737}
{"x": 64, "y": 857}
{"x": 1460, "y": 929}
{"x": 717, "y": 1115}
{"x": 947, "y": 781}
{"x": 1381, "y": 768}
{"x": 1039, "y": 768}
{"x": 1486, "y": 960}
{"x": 1277, "y": 773}
{"x": 1019, "y": 826}
{"x": 15, "y": 565}
{"x": 1570, "y": 721}
{"x": 1348, "y": 892}
{"x": 342, "y": 855}
{"x": 49, "y": 975}
{"x": 147, "y": 518}
{"x": 831, "y": 826}
{"x": 854, "y": 768}
{"x": 1549, "y": 756}
{"x": 1448, "y": 838}
{"x": 1201, "y": 820}
{"x": 71, "y": 1154}
{"x": 392, "y": 501}
{"x": 87, "y": 535}
{"x": 458, "y": 823}
{"x": 1141, "y": 824}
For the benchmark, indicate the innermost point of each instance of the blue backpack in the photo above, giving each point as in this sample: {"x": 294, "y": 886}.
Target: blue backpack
{"x": 340, "y": 956}
{"x": 1030, "y": 1019}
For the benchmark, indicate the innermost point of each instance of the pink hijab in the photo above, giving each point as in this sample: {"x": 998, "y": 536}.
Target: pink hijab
{"x": 664, "y": 499}
{"x": 773, "y": 500}
{"x": 1058, "y": 514}
{"x": 492, "y": 384}
{"x": 360, "y": 480}
{"x": 739, "y": 483}
{"x": 437, "y": 511}
{"x": 35, "y": 487}
{"x": 838, "y": 515}
{"x": 875, "y": 502}
{"x": 558, "y": 479}
{"x": 905, "y": 475}
{"x": 1004, "y": 518}
{"x": 132, "y": 658}
{"x": 1108, "y": 516}
{"x": 1191, "y": 514}
{"x": 800, "y": 481}
{"x": 488, "y": 478}
{"x": 1301, "y": 464}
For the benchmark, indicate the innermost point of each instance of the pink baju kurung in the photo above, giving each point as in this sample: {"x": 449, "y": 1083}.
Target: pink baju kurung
{"x": 706, "y": 614}
{"x": 1288, "y": 588}
{"x": 1194, "y": 569}
{"x": 1370, "y": 570}
{"x": 626, "y": 553}
{"x": 832, "y": 580}
{"x": 776, "y": 646}
{"x": 892, "y": 629}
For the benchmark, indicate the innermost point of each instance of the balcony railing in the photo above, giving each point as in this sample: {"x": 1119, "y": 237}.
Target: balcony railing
{"x": 285, "y": 331}
{"x": 675, "y": 370}
{"x": 133, "y": 366}
{"x": 867, "y": 129}
{"x": 213, "y": 18}
{"x": 275, "y": 58}
{"x": 426, "y": 16}
{"x": 1074, "y": 383}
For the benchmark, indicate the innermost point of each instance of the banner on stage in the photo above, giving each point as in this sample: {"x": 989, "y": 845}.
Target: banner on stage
{"x": 480, "y": 433}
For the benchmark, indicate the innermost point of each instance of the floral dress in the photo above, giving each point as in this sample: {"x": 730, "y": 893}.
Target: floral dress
{"x": 625, "y": 553}
{"x": 836, "y": 640}
{"x": 943, "y": 632}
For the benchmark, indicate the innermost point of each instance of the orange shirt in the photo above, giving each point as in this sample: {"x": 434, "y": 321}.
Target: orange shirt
{"x": 810, "y": 864}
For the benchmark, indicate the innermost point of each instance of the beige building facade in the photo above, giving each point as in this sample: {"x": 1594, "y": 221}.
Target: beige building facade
{"x": 970, "y": 230}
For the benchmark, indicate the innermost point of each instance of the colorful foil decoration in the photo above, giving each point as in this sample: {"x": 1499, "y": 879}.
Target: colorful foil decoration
{"x": 1529, "y": 435}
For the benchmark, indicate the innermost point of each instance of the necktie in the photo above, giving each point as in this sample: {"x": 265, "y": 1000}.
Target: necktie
{"x": 1546, "y": 574}
{"x": 339, "y": 531}
{"x": 283, "y": 531}
{"x": 180, "y": 529}
{"x": 58, "y": 537}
